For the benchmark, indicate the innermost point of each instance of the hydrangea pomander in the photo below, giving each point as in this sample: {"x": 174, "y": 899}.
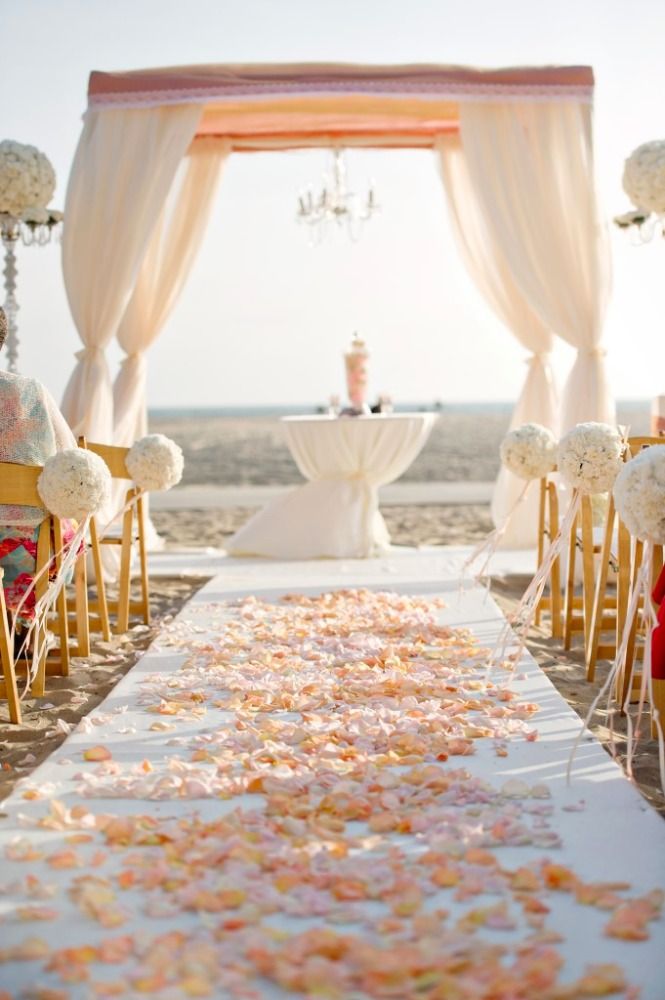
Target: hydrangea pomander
{"x": 639, "y": 494}
{"x": 155, "y": 462}
{"x": 74, "y": 484}
{"x": 644, "y": 177}
{"x": 27, "y": 180}
{"x": 590, "y": 457}
{"x": 529, "y": 451}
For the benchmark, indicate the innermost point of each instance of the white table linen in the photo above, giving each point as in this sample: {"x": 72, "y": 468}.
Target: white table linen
{"x": 336, "y": 513}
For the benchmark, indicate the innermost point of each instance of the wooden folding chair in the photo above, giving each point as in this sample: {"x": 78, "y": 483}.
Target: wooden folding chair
{"x": 548, "y": 526}
{"x": 7, "y": 658}
{"x": 132, "y": 533}
{"x": 623, "y": 555}
{"x": 18, "y": 487}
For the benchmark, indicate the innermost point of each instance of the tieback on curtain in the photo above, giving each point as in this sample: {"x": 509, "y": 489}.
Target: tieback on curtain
{"x": 136, "y": 357}
{"x": 539, "y": 358}
{"x": 592, "y": 352}
{"x": 88, "y": 353}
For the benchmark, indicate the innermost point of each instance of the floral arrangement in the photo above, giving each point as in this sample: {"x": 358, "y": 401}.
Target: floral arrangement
{"x": 639, "y": 495}
{"x": 529, "y": 451}
{"x": 27, "y": 182}
{"x": 590, "y": 457}
{"x": 644, "y": 177}
{"x": 155, "y": 462}
{"x": 74, "y": 484}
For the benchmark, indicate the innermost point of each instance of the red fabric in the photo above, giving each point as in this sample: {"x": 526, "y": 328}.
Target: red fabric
{"x": 658, "y": 634}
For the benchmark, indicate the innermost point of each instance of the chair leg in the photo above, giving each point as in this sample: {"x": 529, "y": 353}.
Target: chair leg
{"x": 556, "y": 627}
{"x": 570, "y": 586}
{"x": 143, "y": 560}
{"x": 124, "y": 580}
{"x": 588, "y": 571}
{"x": 541, "y": 542}
{"x": 658, "y": 705}
{"x": 99, "y": 576}
{"x": 627, "y": 676}
{"x": 623, "y": 594}
{"x": 7, "y": 657}
{"x": 82, "y": 610}
{"x": 38, "y": 686}
{"x": 61, "y": 602}
{"x": 600, "y": 595}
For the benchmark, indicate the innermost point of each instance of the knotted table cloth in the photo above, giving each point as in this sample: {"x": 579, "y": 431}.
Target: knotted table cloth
{"x": 336, "y": 514}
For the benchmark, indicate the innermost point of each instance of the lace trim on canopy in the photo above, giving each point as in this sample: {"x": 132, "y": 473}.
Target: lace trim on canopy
{"x": 502, "y": 92}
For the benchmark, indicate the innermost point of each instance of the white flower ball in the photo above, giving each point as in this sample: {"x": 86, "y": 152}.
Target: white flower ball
{"x": 590, "y": 457}
{"x": 529, "y": 451}
{"x": 639, "y": 494}
{"x": 74, "y": 483}
{"x": 644, "y": 177}
{"x": 155, "y": 462}
{"x": 27, "y": 179}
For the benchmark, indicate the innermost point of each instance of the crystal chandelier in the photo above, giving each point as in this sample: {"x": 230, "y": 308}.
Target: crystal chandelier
{"x": 335, "y": 204}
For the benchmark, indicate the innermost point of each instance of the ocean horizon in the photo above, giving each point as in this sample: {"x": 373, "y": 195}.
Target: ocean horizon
{"x": 298, "y": 409}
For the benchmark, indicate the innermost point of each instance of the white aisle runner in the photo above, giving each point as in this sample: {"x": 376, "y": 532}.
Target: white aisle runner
{"x": 469, "y": 866}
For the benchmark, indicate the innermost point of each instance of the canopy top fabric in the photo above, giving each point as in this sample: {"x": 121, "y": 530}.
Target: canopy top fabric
{"x": 266, "y": 106}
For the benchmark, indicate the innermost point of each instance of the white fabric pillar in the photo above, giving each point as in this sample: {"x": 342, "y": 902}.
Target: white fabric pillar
{"x": 530, "y": 165}
{"x": 166, "y": 266}
{"x": 123, "y": 169}
{"x": 486, "y": 263}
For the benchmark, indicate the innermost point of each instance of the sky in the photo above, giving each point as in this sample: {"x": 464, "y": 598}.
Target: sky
{"x": 265, "y": 317}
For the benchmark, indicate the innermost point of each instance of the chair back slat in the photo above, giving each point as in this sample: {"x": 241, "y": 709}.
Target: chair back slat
{"x": 113, "y": 455}
{"x": 636, "y": 444}
{"x": 18, "y": 485}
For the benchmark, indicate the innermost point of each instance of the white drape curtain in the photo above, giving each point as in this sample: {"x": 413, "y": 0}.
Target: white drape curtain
{"x": 486, "y": 262}
{"x": 123, "y": 169}
{"x": 530, "y": 165}
{"x": 166, "y": 266}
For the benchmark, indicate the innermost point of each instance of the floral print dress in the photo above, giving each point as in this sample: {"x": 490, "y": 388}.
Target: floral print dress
{"x": 31, "y": 430}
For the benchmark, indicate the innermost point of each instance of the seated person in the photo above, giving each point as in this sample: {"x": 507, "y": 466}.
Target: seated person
{"x": 32, "y": 429}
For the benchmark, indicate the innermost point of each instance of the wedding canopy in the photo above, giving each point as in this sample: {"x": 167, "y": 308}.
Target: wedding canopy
{"x": 515, "y": 151}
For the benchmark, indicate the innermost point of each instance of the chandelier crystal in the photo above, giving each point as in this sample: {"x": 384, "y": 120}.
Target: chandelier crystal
{"x": 335, "y": 204}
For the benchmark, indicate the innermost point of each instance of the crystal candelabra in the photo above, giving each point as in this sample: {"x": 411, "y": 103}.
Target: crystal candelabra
{"x": 335, "y": 204}
{"x": 31, "y": 231}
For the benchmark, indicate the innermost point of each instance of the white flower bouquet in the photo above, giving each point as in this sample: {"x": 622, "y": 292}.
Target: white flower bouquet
{"x": 644, "y": 177}
{"x": 27, "y": 180}
{"x": 590, "y": 457}
{"x": 529, "y": 451}
{"x": 155, "y": 462}
{"x": 639, "y": 495}
{"x": 74, "y": 484}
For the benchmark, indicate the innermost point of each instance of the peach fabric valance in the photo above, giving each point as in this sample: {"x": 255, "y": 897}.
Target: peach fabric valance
{"x": 287, "y": 106}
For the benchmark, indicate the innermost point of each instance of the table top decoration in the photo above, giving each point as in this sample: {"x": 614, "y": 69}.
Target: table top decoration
{"x": 355, "y": 362}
